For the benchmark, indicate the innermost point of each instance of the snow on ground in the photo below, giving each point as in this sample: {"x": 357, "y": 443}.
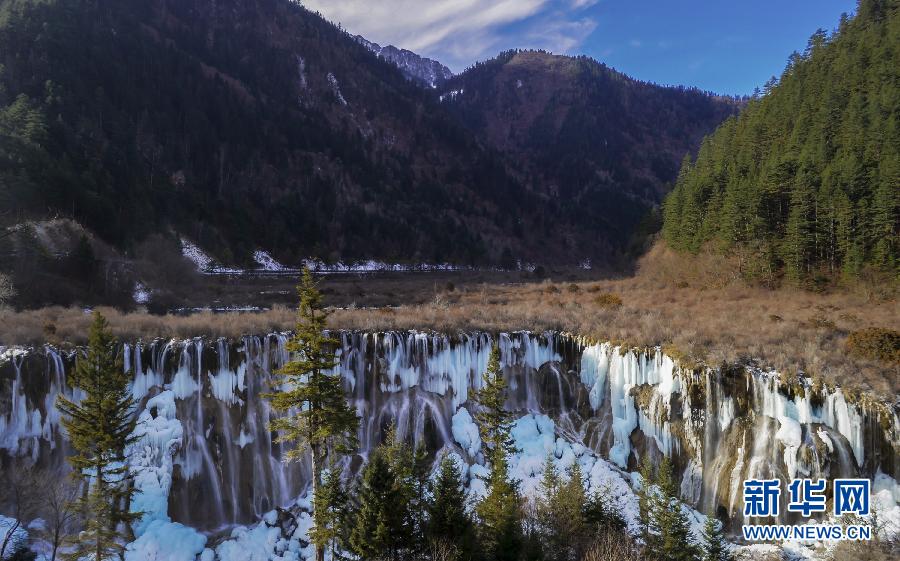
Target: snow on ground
{"x": 141, "y": 293}
{"x": 195, "y": 254}
{"x": 204, "y": 263}
{"x": 266, "y": 261}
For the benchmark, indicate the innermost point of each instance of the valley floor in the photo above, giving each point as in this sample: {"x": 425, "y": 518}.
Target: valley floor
{"x": 696, "y": 319}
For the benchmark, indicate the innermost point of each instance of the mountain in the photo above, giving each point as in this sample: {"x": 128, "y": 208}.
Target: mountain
{"x": 425, "y": 71}
{"x": 806, "y": 181}
{"x": 241, "y": 126}
{"x": 257, "y": 125}
{"x": 603, "y": 144}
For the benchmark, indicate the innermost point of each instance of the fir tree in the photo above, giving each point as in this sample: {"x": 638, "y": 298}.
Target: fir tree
{"x": 319, "y": 418}
{"x": 500, "y": 512}
{"x": 649, "y": 531}
{"x": 381, "y": 529}
{"x": 570, "y": 527}
{"x": 99, "y": 429}
{"x": 674, "y": 540}
{"x": 410, "y": 473}
{"x": 715, "y": 548}
{"x": 492, "y": 417}
{"x": 449, "y": 521}
{"x": 600, "y": 514}
{"x": 331, "y": 504}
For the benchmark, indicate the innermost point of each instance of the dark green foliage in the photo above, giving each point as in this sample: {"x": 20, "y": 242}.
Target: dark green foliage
{"x": 320, "y": 420}
{"x": 493, "y": 418}
{"x": 671, "y": 538}
{"x": 384, "y": 526}
{"x": 714, "y": 544}
{"x": 565, "y": 530}
{"x": 500, "y": 512}
{"x": 600, "y": 513}
{"x": 99, "y": 429}
{"x": 649, "y": 530}
{"x": 809, "y": 174}
{"x": 449, "y": 521}
{"x": 331, "y": 505}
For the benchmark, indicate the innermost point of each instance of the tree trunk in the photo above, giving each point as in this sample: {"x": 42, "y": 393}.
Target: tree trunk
{"x": 97, "y": 540}
{"x": 316, "y": 477}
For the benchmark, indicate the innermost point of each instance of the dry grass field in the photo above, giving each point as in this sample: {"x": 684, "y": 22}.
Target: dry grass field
{"x": 698, "y": 314}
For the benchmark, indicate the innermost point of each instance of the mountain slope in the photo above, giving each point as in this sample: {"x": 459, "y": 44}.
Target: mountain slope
{"x": 807, "y": 180}
{"x": 606, "y": 146}
{"x": 425, "y": 71}
{"x": 240, "y": 125}
{"x": 258, "y": 125}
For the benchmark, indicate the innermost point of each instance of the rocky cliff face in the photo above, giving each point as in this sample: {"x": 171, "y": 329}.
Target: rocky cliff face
{"x": 424, "y": 71}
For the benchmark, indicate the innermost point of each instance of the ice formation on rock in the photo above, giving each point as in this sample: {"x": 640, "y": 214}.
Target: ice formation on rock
{"x": 203, "y": 426}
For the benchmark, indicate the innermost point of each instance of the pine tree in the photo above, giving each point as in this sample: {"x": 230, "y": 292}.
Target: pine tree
{"x": 714, "y": 545}
{"x": 674, "y": 540}
{"x": 600, "y": 514}
{"x": 646, "y": 494}
{"x": 381, "y": 529}
{"x": 99, "y": 429}
{"x": 492, "y": 417}
{"x": 410, "y": 473}
{"x": 500, "y": 512}
{"x": 331, "y": 504}
{"x": 571, "y": 526}
{"x": 449, "y": 521}
{"x": 319, "y": 417}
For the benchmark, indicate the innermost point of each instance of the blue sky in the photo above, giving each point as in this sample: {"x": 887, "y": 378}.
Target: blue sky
{"x": 726, "y": 47}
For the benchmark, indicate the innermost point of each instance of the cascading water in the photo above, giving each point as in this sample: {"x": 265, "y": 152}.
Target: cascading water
{"x": 719, "y": 426}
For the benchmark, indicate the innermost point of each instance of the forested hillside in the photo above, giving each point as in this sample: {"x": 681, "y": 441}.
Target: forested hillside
{"x": 606, "y": 146}
{"x": 806, "y": 181}
{"x": 240, "y": 125}
{"x": 259, "y": 125}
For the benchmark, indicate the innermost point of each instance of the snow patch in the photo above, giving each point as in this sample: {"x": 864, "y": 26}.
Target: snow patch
{"x": 267, "y": 262}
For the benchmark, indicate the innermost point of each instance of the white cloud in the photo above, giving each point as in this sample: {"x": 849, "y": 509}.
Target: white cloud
{"x": 459, "y": 32}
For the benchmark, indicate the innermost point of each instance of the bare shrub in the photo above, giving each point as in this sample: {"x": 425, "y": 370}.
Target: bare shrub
{"x": 20, "y": 492}
{"x": 608, "y": 300}
{"x": 877, "y": 343}
{"x": 57, "y": 505}
{"x": 610, "y": 545}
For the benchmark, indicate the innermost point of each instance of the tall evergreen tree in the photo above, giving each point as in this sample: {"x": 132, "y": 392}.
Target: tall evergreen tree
{"x": 674, "y": 540}
{"x": 715, "y": 547}
{"x": 382, "y": 528}
{"x": 318, "y": 417}
{"x": 646, "y": 494}
{"x": 99, "y": 428}
{"x": 331, "y": 504}
{"x": 492, "y": 416}
{"x": 500, "y": 512}
{"x": 449, "y": 521}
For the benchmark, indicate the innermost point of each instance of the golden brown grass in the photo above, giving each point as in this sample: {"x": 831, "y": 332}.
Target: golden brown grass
{"x": 788, "y": 329}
